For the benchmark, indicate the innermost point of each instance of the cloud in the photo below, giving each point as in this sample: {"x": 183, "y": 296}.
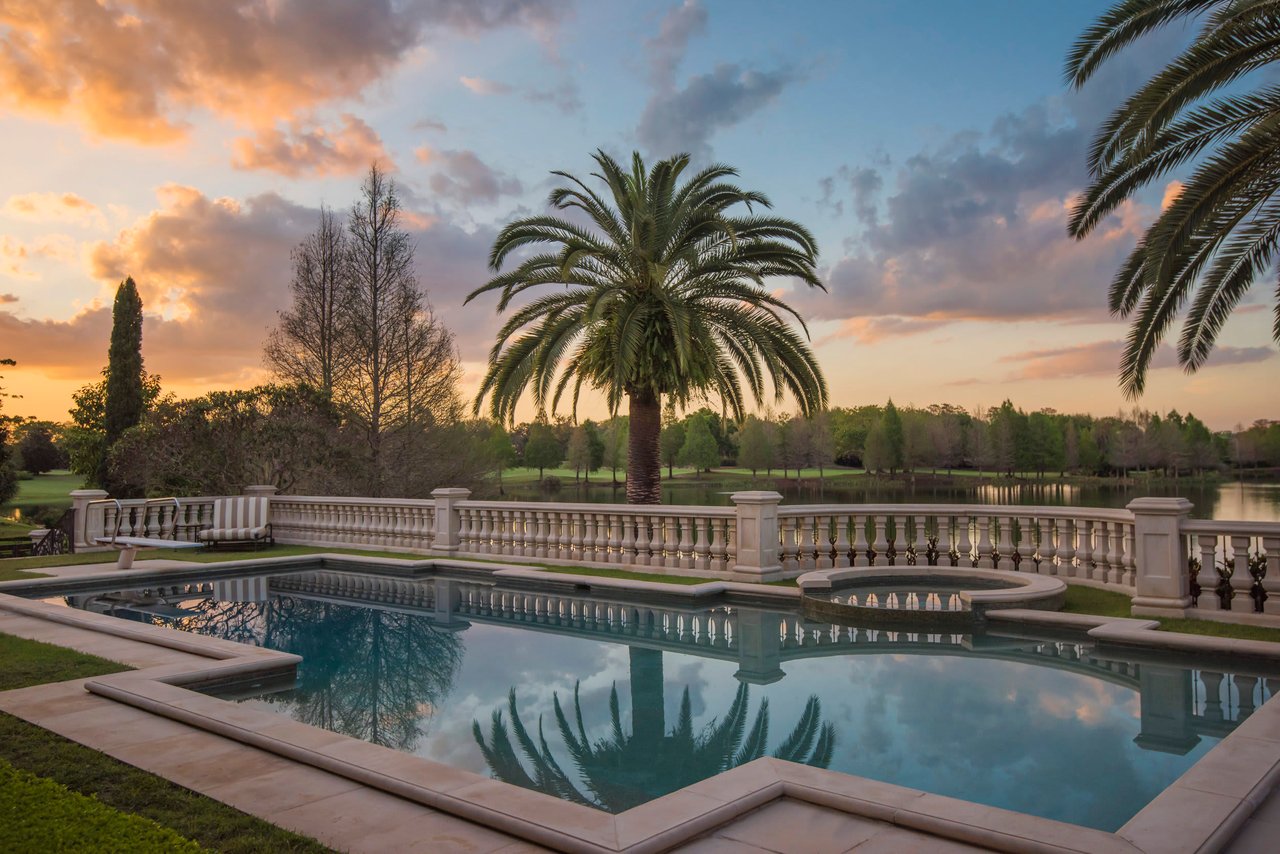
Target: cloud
{"x": 461, "y": 176}
{"x": 485, "y": 88}
{"x": 862, "y": 184}
{"x": 8, "y": 299}
{"x": 564, "y": 96}
{"x": 684, "y": 120}
{"x": 429, "y": 124}
{"x": 344, "y": 150}
{"x": 869, "y": 330}
{"x": 130, "y": 69}
{"x": 667, "y": 49}
{"x": 15, "y": 254}
{"x": 214, "y": 272}
{"x": 1101, "y": 358}
{"x": 70, "y": 208}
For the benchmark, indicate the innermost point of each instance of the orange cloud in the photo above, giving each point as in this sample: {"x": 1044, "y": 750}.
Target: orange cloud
{"x": 1171, "y": 192}
{"x": 345, "y": 150}
{"x": 14, "y": 254}
{"x": 55, "y": 207}
{"x": 133, "y": 69}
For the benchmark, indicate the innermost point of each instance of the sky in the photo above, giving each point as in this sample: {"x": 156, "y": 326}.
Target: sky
{"x": 932, "y": 148}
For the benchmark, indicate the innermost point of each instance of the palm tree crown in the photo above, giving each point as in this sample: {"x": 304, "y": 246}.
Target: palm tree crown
{"x": 661, "y": 293}
{"x": 1219, "y": 235}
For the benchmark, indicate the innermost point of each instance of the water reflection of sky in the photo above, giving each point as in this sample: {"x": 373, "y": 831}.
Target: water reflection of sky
{"x": 1019, "y": 736}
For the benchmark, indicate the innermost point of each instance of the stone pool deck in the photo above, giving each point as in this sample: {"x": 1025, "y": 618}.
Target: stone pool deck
{"x": 355, "y": 796}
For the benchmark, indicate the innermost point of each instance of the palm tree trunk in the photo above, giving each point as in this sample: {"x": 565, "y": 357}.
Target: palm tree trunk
{"x": 644, "y": 462}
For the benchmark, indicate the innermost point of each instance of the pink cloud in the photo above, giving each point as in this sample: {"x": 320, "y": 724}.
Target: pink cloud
{"x": 344, "y": 150}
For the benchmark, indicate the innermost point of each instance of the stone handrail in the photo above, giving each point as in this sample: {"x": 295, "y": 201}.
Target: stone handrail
{"x": 666, "y": 537}
{"x": 1149, "y": 550}
{"x": 1244, "y": 558}
{"x": 1083, "y": 543}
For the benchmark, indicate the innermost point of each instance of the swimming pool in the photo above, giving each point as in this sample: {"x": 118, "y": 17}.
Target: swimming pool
{"x": 613, "y": 701}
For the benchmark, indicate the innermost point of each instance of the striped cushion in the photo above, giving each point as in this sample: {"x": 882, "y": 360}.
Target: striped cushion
{"x": 240, "y": 518}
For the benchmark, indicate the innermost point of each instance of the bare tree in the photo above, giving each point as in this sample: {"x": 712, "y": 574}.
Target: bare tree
{"x": 310, "y": 345}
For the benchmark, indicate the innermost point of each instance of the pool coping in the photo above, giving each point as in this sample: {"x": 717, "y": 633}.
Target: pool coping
{"x": 1201, "y": 811}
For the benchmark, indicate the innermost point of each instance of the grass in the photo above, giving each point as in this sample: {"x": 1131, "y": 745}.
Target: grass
{"x": 52, "y": 489}
{"x": 13, "y": 528}
{"x": 1106, "y": 603}
{"x": 631, "y": 576}
{"x": 25, "y": 564}
{"x": 125, "y": 805}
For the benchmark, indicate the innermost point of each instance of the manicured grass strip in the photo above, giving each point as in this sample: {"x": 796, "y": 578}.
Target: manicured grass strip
{"x": 12, "y": 528}
{"x": 37, "y": 814}
{"x": 622, "y": 573}
{"x": 26, "y": 662}
{"x": 1091, "y": 600}
{"x": 52, "y": 489}
{"x": 188, "y": 555}
{"x": 122, "y": 787}
{"x": 212, "y": 824}
{"x": 7, "y": 574}
{"x": 1107, "y": 603}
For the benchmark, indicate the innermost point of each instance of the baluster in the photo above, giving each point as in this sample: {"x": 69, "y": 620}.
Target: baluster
{"x": 1271, "y": 575}
{"x": 717, "y": 545}
{"x": 670, "y": 544}
{"x": 985, "y": 560}
{"x": 964, "y": 548}
{"x": 731, "y": 542}
{"x": 644, "y": 537}
{"x": 842, "y": 541}
{"x": 786, "y": 543}
{"x": 899, "y": 543}
{"x": 541, "y": 529}
{"x": 1044, "y": 549}
{"x": 860, "y": 545}
{"x": 1241, "y": 580}
{"x": 616, "y": 526}
{"x": 824, "y": 542}
{"x": 1212, "y": 696}
{"x": 881, "y": 544}
{"x": 702, "y": 550}
{"x": 1066, "y": 548}
{"x": 1115, "y": 556}
{"x": 807, "y": 544}
{"x": 602, "y": 538}
{"x": 585, "y": 538}
{"x": 1130, "y": 559}
{"x": 921, "y": 540}
{"x": 686, "y": 543}
{"x": 1005, "y": 540}
{"x": 628, "y": 540}
{"x": 564, "y": 543}
{"x": 1026, "y": 547}
{"x": 943, "y": 542}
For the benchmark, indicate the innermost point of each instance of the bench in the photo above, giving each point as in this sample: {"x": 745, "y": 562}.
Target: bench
{"x": 128, "y": 547}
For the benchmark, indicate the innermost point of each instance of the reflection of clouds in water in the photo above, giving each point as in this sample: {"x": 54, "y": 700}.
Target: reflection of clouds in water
{"x": 1014, "y": 735}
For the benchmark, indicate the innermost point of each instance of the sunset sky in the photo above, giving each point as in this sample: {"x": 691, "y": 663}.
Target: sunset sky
{"x": 931, "y": 146}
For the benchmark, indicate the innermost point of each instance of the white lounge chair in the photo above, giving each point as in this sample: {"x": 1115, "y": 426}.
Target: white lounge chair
{"x": 239, "y": 520}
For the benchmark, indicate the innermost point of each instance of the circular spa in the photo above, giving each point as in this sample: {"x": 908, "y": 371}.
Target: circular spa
{"x": 943, "y": 597}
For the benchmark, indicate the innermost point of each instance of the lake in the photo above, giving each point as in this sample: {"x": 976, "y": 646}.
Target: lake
{"x": 1249, "y": 501}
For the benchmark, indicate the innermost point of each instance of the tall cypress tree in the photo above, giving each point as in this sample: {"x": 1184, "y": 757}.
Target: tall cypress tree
{"x": 124, "y": 402}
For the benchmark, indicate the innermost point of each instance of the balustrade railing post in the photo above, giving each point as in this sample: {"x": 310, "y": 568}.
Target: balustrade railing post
{"x": 756, "y": 553}
{"x": 87, "y": 528}
{"x": 261, "y": 490}
{"x": 448, "y": 524}
{"x": 1163, "y": 582}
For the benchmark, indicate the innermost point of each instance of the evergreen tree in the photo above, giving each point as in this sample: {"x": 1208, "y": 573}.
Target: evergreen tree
{"x": 124, "y": 399}
{"x": 579, "y": 453}
{"x": 891, "y": 424}
{"x": 699, "y": 450}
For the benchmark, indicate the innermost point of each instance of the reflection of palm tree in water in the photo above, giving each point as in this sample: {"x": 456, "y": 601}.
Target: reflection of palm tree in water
{"x": 623, "y": 771}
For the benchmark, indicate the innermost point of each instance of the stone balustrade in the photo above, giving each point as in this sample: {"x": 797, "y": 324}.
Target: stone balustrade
{"x": 1152, "y": 550}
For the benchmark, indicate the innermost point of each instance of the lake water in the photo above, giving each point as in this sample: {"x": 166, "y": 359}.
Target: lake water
{"x": 1249, "y": 501}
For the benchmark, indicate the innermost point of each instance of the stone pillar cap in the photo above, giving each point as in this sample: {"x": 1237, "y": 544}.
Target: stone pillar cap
{"x": 1160, "y": 506}
{"x": 450, "y": 492}
{"x": 756, "y": 497}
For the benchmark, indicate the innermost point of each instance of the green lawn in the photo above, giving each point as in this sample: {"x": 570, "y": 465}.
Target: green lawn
{"x": 52, "y": 489}
{"x": 13, "y": 528}
{"x": 56, "y": 795}
{"x": 1105, "y": 603}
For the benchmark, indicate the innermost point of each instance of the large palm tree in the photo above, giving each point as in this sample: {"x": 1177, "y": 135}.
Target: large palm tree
{"x": 1219, "y": 235}
{"x": 659, "y": 291}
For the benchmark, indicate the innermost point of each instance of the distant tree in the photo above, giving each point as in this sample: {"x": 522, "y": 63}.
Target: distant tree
{"x": 1124, "y": 451}
{"x": 755, "y": 448}
{"x": 917, "y": 444}
{"x": 877, "y": 455}
{"x": 980, "y": 448}
{"x": 502, "y": 454}
{"x": 542, "y": 451}
{"x": 1070, "y": 448}
{"x": 37, "y": 450}
{"x": 1044, "y": 444}
{"x": 579, "y": 452}
{"x": 891, "y": 425}
{"x": 670, "y": 441}
{"x": 8, "y": 477}
{"x": 1090, "y": 452}
{"x": 614, "y": 440}
{"x": 595, "y": 442}
{"x": 822, "y": 444}
{"x": 699, "y": 450}
{"x": 124, "y": 399}
{"x": 946, "y": 433}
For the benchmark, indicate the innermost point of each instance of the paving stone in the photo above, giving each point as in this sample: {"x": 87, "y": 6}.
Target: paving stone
{"x": 794, "y": 827}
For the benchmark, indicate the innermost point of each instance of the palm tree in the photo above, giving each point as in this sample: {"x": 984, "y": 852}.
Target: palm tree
{"x": 660, "y": 293}
{"x": 1219, "y": 235}
{"x": 623, "y": 771}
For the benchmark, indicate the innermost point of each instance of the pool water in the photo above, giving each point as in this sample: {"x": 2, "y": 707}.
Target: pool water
{"x": 612, "y": 704}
